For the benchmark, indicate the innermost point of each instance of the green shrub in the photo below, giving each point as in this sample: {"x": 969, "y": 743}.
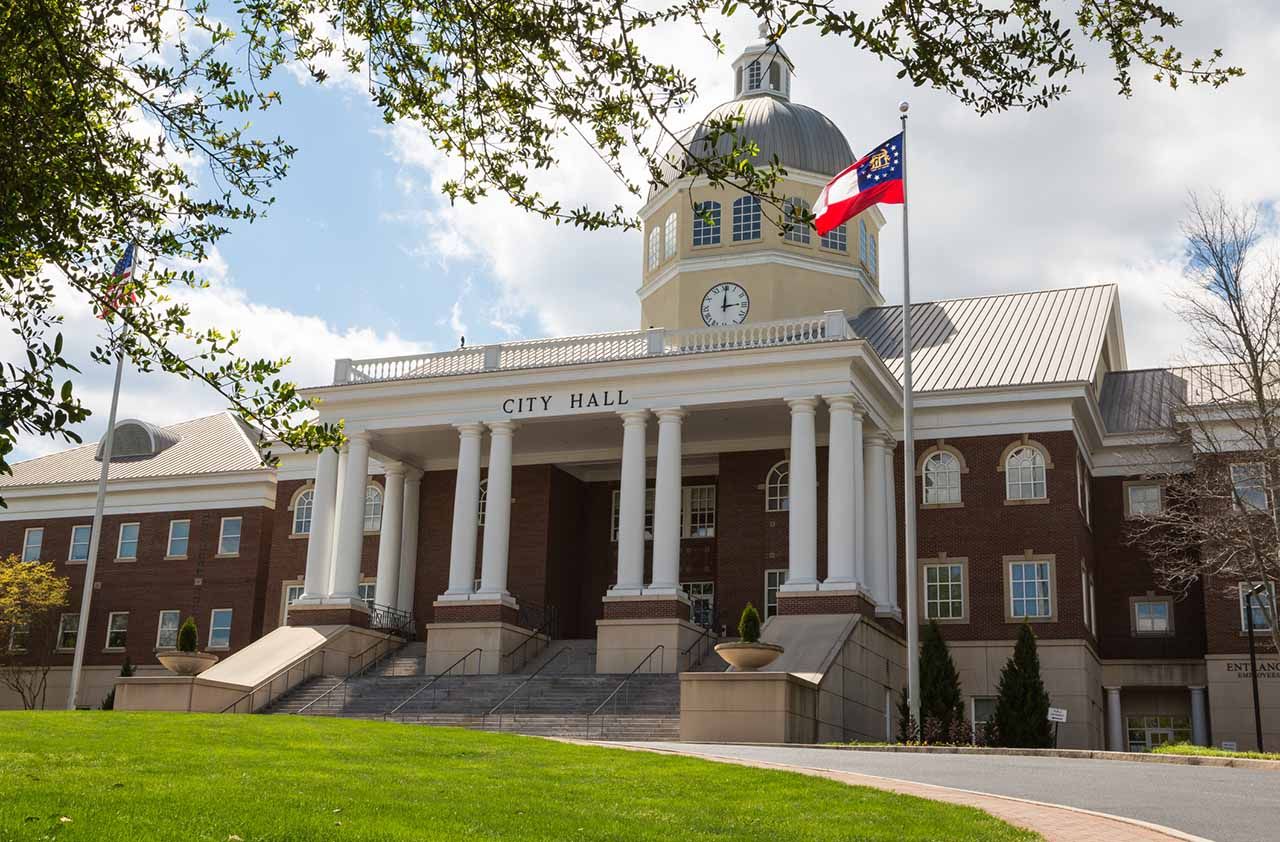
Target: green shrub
{"x": 188, "y": 637}
{"x": 749, "y": 625}
{"x": 941, "y": 705}
{"x": 126, "y": 670}
{"x": 1022, "y": 705}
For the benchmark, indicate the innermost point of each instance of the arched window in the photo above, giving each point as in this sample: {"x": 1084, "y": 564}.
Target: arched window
{"x": 941, "y": 478}
{"x": 777, "y": 488}
{"x": 862, "y": 240}
{"x": 484, "y": 496}
{"x": 797, "y": 231}
{"x": 655, "y": 247}
{"x": 746, "y": 219}
{"x": 669, "y": 232}
{"x": 302, "y": 512}
{"x": 706, "y": 224}
{"x": 872, "y": 259}
{"x": 372, "y": 508}
{"x": 1024, "y": 472}
{"x": 837, "y": 239}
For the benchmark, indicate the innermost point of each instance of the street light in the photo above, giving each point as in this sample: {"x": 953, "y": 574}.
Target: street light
{"x": 1253, "y": 657}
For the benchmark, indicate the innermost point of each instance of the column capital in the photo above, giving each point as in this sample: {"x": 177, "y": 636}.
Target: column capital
{"x": 502, "y": 428}
{"x": 802, "y": 404}
{"x": 878, "y": 438}
{"x": 392, "y": 467}
{"x": 358, "y": 435}
{"x": 1197, "y": 688}
{"x": 674, "y": 413}
{"x": 412, "y": 474}
{"x": 841, "y": 403}
{"x": 634, "y": 417}
{"x": 470, "y": 430}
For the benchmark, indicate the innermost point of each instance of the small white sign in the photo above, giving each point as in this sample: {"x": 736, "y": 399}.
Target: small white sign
{"x": 1229, "y": 745}
{"x": 1057, "y": 714}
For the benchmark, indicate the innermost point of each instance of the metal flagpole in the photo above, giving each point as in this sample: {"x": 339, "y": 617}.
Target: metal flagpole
{"x": 95, "y": 534}
{"x": 909, "y": 455}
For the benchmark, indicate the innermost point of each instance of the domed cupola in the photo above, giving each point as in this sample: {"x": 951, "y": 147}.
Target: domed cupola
{"x": 762, "y": 69}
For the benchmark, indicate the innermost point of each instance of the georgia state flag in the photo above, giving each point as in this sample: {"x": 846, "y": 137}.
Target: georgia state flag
{"x": 873, "y": 179}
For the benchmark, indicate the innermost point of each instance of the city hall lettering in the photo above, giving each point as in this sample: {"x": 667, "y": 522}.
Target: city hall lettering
{"x": 574, "y": 400}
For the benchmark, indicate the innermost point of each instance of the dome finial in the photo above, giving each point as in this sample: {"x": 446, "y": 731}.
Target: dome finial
{"x": 763, "y": 29}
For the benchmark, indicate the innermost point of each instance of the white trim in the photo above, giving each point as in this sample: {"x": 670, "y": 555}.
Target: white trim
{"x": 137, "y": 539}
{"x": 107, "y": 647}
{"x": 787, "y": 257}
{"x": 160, "y": 627}
{"x": 190, "y": 492}
{"x": 765, "y": 614}
{"x": 57, "y": 641}
{"x": 209, "y": 636}
{"x": 71, "y": 545}
{"x": 26, "y": 535}
{"x": 222, "y": 531}
{"x": 168, "y": 544}
{"x": 302, "y": 490}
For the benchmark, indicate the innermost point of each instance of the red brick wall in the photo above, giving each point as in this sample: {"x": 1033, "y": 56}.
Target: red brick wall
{"x": 153, "y": 584}
{"x": 1223, "y": 626}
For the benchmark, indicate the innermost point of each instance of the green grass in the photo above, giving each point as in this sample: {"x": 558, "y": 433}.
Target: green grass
{"x": 142, "y": 776}
{"x": 1207, "y": 751}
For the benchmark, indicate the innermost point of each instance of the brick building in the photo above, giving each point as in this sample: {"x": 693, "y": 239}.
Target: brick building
{"x": 744, "y": 446}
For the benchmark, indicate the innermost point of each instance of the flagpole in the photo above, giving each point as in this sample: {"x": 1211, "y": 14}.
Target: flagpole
{"x": 909, "y": 455}
{"x": 95, "y": 533}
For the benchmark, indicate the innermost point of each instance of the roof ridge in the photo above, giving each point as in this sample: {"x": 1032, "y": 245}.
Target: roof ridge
{"x": 914, "y": 304}
{"x": 98, "y": 441}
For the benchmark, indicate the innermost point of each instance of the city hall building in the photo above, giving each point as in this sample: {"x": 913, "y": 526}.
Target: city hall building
{"x": 637, "y": 489}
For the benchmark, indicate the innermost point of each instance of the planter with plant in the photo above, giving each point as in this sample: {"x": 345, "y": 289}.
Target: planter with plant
{"x": 185, "y": 660}
{"x": 749, "y": 653}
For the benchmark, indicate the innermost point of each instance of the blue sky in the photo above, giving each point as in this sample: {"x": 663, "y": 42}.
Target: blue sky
{"x": 362, "y": 256}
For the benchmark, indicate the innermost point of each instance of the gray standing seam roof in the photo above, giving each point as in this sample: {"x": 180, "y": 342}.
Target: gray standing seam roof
{"x": 1017, "y": 339}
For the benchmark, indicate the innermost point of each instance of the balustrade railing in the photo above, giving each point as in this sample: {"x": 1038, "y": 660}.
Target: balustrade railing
{"x": 832, "y": 325}
{"x": 384, "y": 618}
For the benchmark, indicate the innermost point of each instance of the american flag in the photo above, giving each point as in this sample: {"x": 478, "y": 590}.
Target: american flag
{"x": 118, "y": 292}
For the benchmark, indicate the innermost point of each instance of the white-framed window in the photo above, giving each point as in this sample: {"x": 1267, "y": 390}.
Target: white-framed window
{"x": 68, "y": 630}
{"x": 796, "y": 231}
{"x": 702, "y": 599}
{"x": 302, "y": 507}
{"x": 127, "y": 544}
{"x": 229, "y": 536}
{"x": 706, "y": 224}
{"x": 179, "y": 539}
{"x": 1024, "y": 474}
{"x": 755, "y": 75}
{"x": 1030, "y": 589}
{"x": 1152, "y": 616}
{"x": 982, "y": 710}
{"x": 616, "y": 517}
{"x": 837, "y": 239}
{"x": 777, "y": 488}
{"x": 1266, "y": 596}
{"x": 1093, "y": 605}
{"x": 1143, "y": 499}
{"x": 669, "y": 233}
{"x": 220, "y": 628}
{"x": 746, "y": 219}
{"x": 940, "y": 479}
{"x": 1082, "y": 489}
{"x": 19, "y": 637}
{"x": 117, "y": 629}
{"x": 773, "y": 581}
{"x": 32, "y": 541}
{"x": 484, "y": 500}
{"x": 80, "y": 536}
{"x": 873, "y": 257}
{"x": 655, "y": 247}
{"x": 1248, "y": 481}
{"x": 944, "y": 590}
{"x": 367, "y": 591}
{"x": 862, "y": 241}
{"x": 291, "y": 592}
{"x": 167, "y": 629}
{"x": 699, "y": 511}
{"x": 372, "y": 508}
{"x": 1086, "y": 598}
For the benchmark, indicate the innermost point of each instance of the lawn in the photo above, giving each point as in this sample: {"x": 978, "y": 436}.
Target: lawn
{"x": 1209, "y": 751}
{"x": 106, "y": 776}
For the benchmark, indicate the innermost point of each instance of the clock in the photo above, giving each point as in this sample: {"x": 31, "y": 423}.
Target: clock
{"x": 725, "y": 304}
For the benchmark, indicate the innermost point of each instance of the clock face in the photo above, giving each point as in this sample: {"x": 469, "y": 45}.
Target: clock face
{"x": 725, "y": 304}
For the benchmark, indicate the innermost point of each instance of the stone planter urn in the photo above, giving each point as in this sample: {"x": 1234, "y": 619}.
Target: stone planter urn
{"x": 748, "y": 656}
{"x": 187, "y": 663}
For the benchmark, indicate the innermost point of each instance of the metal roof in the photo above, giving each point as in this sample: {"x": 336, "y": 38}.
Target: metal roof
{"x": 803, "y": 138}
{"x": 1017, "y": 339}
{"x": 1140, "y": 401}
{"x": 211, "y": 445}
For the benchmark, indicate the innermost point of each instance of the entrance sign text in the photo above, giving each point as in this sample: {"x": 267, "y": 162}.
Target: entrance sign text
{"x": 572, "y": 400}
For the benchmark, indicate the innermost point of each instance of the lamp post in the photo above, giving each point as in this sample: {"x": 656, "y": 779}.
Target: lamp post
{"x": 1253, "y": 658}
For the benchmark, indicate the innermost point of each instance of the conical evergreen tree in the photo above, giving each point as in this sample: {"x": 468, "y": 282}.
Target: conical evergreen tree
{"x": 940, "y": 699}
{"x": 1022, "y": 705}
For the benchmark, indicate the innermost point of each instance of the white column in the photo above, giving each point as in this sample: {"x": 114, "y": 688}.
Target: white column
{"x": 388, "y": 581}
{"x": 877, "y": 542}
{"x": 320, "y": 543}
{"x": 631, "y": 505}
{"x": 841, "y": 498}
{"x": 666, "y": 505}
{"x": 346, "y": 573}
{"x": 497, "y": 513}
{"x": 337, "y": 508}
{"x": 802, "y": 531}
{"x": 1115, "y": 721}
{"x": 859, "y": 504}
{"x": 466, "y": 505}
{"x": 1199, "y": 717}
{"x": 891, "y": 531}
{"x": 409, "y": 540}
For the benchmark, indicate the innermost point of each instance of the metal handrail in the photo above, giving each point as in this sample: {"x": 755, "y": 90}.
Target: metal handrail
{"x": 549, "y": 618}
{"x": 271, "y": 681}
{"x": 659, "y": 648}
{"x": 525, "y": 683}
{"x": 386, "y": 618}
{"x": 354, "y": 673}
{"x": 706, "y": 635}
{"x": 434, "y": 679}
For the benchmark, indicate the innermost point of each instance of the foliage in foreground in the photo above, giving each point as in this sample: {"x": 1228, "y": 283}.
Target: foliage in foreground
{"x": 1022, "y": 703}
{"x": 31, "y": 596}
{"x": 749, "y": 624}
{"x": 111, "y": 776}
{"x": 1210, "y": 751}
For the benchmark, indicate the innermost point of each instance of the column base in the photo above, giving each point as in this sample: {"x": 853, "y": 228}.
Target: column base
{"x": 804, "y": 586}
{"x": 451, "y": 646}
{"x": 331, "y": 611}
{"x": 646, "y": 606}
{"x": 476, "y": 610}
{"x": 848, "y": 601}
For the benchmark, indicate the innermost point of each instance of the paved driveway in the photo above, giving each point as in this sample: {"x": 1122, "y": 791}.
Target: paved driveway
{"x": 1226, "y": 805}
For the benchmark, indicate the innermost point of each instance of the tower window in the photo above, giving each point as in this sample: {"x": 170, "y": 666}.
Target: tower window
{"x": 746, "y": 219}
{"x": 655, "y": 247}
{"x": 872, "y": 260}
{"x": 837, "y": 239}
{"x": 797, "y": 231}
{"x": 706, "y": 224}
{"x": 669, "y": 232}
{"x": 755, "y": 73}
{"x": 862, "y": 240}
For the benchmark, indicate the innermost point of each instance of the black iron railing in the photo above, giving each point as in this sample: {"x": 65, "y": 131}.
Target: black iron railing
{"x": 618, "y": 692}
{"x": 531, "y": 615}
{"x": 384, "y": 618}
{"x": 527, "y": 649}
{"x": 691, "y": 656}
{"x": 357, "y": 665}
{"x": 433, "y": 685}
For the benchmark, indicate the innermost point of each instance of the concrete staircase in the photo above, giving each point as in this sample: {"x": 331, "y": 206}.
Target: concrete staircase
{"x": 551, "y": 703}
